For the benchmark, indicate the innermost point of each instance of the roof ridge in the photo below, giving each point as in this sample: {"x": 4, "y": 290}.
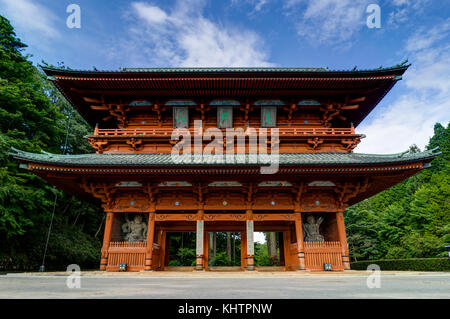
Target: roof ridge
{"x": 399, "y": 66}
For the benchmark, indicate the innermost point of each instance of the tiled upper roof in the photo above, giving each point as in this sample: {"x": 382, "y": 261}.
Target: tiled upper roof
{"x": 400, "y": 67}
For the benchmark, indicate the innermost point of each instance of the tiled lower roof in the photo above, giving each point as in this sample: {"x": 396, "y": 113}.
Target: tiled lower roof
{"x": 303, "y": 159}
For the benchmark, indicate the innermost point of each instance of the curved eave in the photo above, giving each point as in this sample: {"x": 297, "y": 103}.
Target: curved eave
{"x": 164, "y": 72}
{"x": 65, "y": 171}
{"x": 164, "y": 161}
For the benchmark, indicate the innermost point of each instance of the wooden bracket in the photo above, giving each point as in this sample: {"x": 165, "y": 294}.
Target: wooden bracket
{"x": 250, "y": 190}
{"x": 298, "y": 190}
{"x": 159, "y": 110}
{"x": 98, "y": 145}
{"x": 350, "y": 144}
{"x": 334, "y": 109}
{"x": 200, "y": 189}
{"x": 151, "y": 190}
{"x": 247, "y": 109}
{"x": 291, "y": 109}
{"x": 348, "y": 190}
{"x": 102, "y": 191}
{"x": 315, "y": 142}
{"x": 119, "y": 111}
{"x": 202, "y": 109}
{"x": 135, "y": 143}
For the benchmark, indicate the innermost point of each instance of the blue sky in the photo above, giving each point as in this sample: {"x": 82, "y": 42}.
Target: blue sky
{"x": 332, "y": 33}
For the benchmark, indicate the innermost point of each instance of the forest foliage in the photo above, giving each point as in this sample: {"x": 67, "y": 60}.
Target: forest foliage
{"x": 409, "y": 220}
{"x": 34, "y": 116}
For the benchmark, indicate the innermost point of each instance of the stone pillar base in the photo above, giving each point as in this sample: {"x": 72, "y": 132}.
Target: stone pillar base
{"x": 346, "y": 262}
{"x": 199, "y": 263}
{"x": 103, "y": 263}
{"x": 250, "y": 263}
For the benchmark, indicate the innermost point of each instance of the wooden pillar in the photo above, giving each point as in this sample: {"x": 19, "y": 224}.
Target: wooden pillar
{"x": 163, "y": 235}
{"x": 282, "y": 255}
{"x": 299, "y": 235}
{"x": 159, "y": 237}
{"x": 244, "y": 249}
{"x": 167, "y": 252}
{"x": 286, "y": 242}
{"x": 106, "y": 240}
{"x": 199, "y": 244}
{"x": 249, "y": 229}
{"x": 343, "y": 239}
{"x": 206, "y": 247}
{"x": 250, "y": 246}
{"x": 150, "y": 237}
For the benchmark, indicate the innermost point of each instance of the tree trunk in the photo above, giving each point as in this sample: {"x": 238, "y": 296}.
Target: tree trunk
{"x": 234, "y": 248}
{"x": 268, "y": 242}
{"x": 273, "y": 245}
{"x": 211, "y": 244}
{"x": 215, "y": 247}
{"x": 229, "y": 245}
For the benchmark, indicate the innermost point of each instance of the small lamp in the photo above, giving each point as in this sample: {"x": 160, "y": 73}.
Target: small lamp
{"x": 327, "y": 267}
{"x": 448, "y": 250}
{"x": 122, "y": 267}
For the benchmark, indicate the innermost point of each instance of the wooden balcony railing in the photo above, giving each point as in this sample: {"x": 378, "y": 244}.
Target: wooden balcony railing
{"x": 317, "y": 254}
{"x": 148, "y": 132}
{"x": 130, "y": 253}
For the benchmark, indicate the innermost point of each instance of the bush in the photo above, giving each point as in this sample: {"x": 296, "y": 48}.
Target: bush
{"x": 221, "y": 259}
{"x": 412, "y": 264}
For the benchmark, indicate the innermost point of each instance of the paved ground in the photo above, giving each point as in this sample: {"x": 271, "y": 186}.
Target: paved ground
{"x": 192, "y": 285}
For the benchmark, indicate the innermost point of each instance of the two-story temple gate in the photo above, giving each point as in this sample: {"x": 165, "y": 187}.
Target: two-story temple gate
{"x": 306, "y": 117}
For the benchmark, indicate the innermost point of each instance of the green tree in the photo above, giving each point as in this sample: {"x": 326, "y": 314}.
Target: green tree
{"x": 33, "y": 117}
{"x": 411, "y": 219}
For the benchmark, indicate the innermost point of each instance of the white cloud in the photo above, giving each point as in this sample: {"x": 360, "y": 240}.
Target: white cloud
{"x": 256, "y": 4}
{"x": 410, "y": 119}
{"x": 259, "y": 4}
{"x": 32, "y": 19}
{"x": 405, "y": 10}
{"x": 183, "y": 37}
{"x": 149, "y": 13}
{"x": 328, "y": 21}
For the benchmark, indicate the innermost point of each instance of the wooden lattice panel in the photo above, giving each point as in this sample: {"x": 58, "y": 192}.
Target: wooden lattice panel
{"x": 317, "y": 254}
{"x": 132, "y": 254}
